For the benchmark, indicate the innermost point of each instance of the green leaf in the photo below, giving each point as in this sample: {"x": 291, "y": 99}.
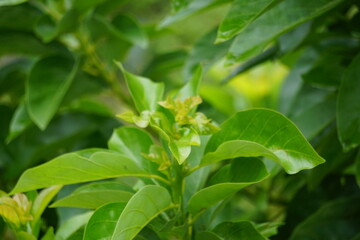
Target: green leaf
{"x": 43, "y": 200}
{"x": 357, "y": 167}
{"x": 206, "y": 53}
{"x": 261, "y": 132}
{"x": 103, "y": 222}
{"x": 191, "y": 88}
{"x": 11, "y": 2}
{"x": 23, "y": 44}
{"x": 227, "y": 181}
{"x": 132, "y": 142}
{"x": 83, "y": 6}
{"x": 181, "y": 148}
{"x": 312, "y": 120}
{"x": 46, "y": 28}
{"x": 19, "y": 122}
{"x": 342, "y": 216}
{"x": 129, "y": 29}
{"x": 240, "y": 15}
{"x": 48, "y": 82}
{"x": 144, "y": 206}
{"x": 348, "y": 107}
{"x": 207, "y": 236}
{"x": 145, "y": 93}
{"x": 49, "y": 235}
{"x": 26, "y": 17}
{"x": 72, "y": 225}
{"x": 238, "y": 231}
{"x": 189, "y": 9}
{"x": 281, "y": 18}
{"x": 95, "y": 195}
{"x": 24, "y": 236}
{"x": 82, "y": 166}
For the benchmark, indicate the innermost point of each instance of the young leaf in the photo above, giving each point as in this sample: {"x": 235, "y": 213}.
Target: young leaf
{"x": 145, "y": 93}
{"x": 43, "y": 200}
{"x": 261, "y": 132}
{"x": 144, "y": 206}
{"x": 82, "y": 166}
{"x": 103, "y": 222}
{"x": 95, "y": 195}
{"x": 240, "y": 15}
{"x": 281, "y": 18}
{"x": 48, "y": 82}
{"x": 348, "y": 107}
{"x": 230, "y": 179}
{"x": 238, "y": 231}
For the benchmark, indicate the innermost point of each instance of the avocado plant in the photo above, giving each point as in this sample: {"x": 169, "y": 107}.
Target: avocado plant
{"x": 172, "y": 170}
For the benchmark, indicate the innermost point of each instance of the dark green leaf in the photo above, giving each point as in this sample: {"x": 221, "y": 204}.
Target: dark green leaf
{"x": 315, "y": 118}
{"x": 238, "y": 231}
{"x": 103, "y": 222}
{"x": 281, "y": 18}
{"x": 95, "y": 195}
{"x": 145, "y": 93}
{"x": 129, "y": 29}
{"x": 357, "y": 167}
{"x": 23, "y": 44}
{"x": 83, "y": 6}
{"x": 338, "y": 219}
{"x": 348, "y": 106}
{"x": 261, "y": 132}
{"x": 189, "y": 9}
{"x": 230, "y": 179}
{"x": 240, "y": 15}
{"x": 20, "y": 121}
{"x": 46, "y": 28}
{"x": 26, "y": 17}
{"x": 207, "y": 236}
{"x": 144, "y": 206}
{"x": 82, "y": 166}
{"x": 48, "y": 82}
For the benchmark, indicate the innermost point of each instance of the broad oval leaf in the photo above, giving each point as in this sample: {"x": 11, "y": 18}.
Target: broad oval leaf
{"x": 144, "y": 206}
{"x": 270, "y": 25}
{"x": 262, "y": 132}
{"x": 348, "y": 106}
{"x": 48, "y": 82}
{"x": 95, "y": 195}
{"x": 240, "y": 15}
{"x": 103, "y": 222}
{"x": 227, "y": 181}
{"x": 82, "y": 166}
{"x": 145, "y": 93}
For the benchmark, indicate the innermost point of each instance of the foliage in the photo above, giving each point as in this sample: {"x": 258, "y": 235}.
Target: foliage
{"x": 195, "y": 144}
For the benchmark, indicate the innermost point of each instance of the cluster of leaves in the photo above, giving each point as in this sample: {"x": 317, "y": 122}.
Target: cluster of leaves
{"x": 175, "y": 187}
{"x": 319, "y": 41}
{"x": 58, "y": 61}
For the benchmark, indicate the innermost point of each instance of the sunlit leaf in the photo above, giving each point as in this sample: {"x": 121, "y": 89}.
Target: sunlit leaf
{"x": 261, "y": 132}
